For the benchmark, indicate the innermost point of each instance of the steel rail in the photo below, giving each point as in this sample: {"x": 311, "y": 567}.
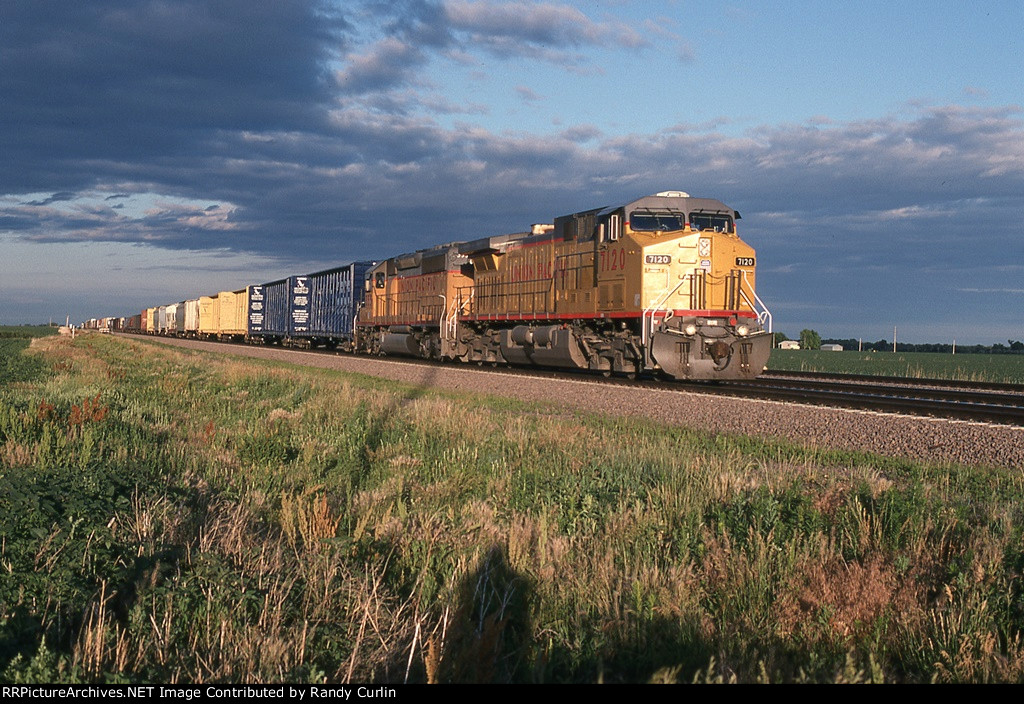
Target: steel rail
{"x": 902, "y": 380}
{"x": 945, "y": 403}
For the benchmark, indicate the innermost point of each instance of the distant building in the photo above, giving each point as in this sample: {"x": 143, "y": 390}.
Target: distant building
{"x": 831, "y": 348}
{"x": 790, "y": 345}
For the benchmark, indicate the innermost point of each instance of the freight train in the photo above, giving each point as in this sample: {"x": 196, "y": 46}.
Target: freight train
{"x": 662, "y": 284}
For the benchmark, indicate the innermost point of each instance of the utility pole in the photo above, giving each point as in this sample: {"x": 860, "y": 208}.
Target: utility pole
{"x": 894, "y": 339}
{"x": 954, "y": 345}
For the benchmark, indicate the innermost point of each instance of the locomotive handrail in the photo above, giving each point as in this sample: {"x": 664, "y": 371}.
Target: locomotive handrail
{"x": 763, "y": 314}
{"x": 653, "y": 310}
{"x": 449, "y": 317}
{"x": 450, "y": 314}
{"x": 443, "y": 322}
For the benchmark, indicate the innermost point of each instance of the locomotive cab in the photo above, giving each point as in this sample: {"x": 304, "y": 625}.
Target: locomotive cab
{"x": 701, "y": 317}
{"x": 675, "y": 266}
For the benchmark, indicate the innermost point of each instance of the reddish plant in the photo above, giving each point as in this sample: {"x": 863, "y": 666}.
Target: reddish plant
{"x": 89, "y": 411}
{"x": 46, "y": 411}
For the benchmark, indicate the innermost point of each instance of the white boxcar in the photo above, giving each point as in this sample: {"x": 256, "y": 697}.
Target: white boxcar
{"x": 190, "y": 326}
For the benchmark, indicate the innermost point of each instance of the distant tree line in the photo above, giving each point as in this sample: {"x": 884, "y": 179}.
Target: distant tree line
{"x": 810, "y": 340}
{"x": 1011, "y": 347}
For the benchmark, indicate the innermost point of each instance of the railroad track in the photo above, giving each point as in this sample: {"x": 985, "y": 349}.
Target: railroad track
{"x": 982, "y": 402}
{"x": 904, "y": 381}
{"x": 971, "y": 401}
{"x": 968, "y": 401}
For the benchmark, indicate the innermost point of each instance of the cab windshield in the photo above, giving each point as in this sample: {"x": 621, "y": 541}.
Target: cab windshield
{"x": 656, "y": 222}
{"x": 711, "y": 221}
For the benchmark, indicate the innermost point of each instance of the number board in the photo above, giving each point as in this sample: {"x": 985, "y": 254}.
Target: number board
{"x": 658, "y": 259}
{"x": 744, "y": 261}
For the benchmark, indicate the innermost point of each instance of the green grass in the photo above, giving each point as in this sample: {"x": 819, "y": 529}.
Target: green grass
{"x": 999, "y": 368}
{"x": 14, "y": 340}
{"x": 17, "y": 366}
{"x": 170, "y": 515}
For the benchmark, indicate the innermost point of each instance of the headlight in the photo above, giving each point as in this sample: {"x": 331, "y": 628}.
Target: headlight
{"x": 690, "y": 329}
{"x": 742, "y": 331}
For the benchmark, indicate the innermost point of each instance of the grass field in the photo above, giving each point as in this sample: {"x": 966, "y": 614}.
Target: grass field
{"x": 15, "y": 366}
{"x": 182, "y": 517}
{"x": 1001, "y": 368}
{"x": 26, "y": 331}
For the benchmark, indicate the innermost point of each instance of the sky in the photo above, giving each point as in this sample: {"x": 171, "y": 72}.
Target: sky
{"x": 156, "y": 150}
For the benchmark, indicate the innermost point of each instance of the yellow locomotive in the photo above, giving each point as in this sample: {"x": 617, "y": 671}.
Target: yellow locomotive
{"x": 662, "y": 283}
{"x": 407, "y": 300}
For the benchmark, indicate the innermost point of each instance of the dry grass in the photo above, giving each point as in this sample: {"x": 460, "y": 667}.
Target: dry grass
{"x": 307, "y": 519}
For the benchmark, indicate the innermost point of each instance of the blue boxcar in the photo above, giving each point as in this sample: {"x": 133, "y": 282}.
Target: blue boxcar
{"x": 331, "y": 300}
{"x": 315, "y": 309}
{"x": 269, "y": 311}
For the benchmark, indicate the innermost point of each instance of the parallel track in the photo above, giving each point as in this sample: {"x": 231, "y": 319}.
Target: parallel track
{"x": 937, "y": 398}
{"x": 902, "y": 380}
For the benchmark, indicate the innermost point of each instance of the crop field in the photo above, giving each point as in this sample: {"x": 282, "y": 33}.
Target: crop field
{"x": 1000, "y": 368}
{"x": 14, "y": 366}
{"x": 26, "y": 331}
{"x": 178, "y": 516}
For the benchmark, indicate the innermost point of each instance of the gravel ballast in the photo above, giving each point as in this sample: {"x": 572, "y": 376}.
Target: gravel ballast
{"x": 833, "y": 428}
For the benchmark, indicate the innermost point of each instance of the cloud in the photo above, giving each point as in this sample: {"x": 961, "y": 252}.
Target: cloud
{"x": 131, "y": 80}
{"x": 506, "y": 27}
{"x": 55, "y": 198}
{"x": 325, "y": 172}
{"x": 386, "y": 65}
{"x": 1012, "y": 291}
{"x": 527, "y": 94}
{"x": 414, "y": 31}
{"x": 685, "y": 52}
{"x": 581, "y": 133}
